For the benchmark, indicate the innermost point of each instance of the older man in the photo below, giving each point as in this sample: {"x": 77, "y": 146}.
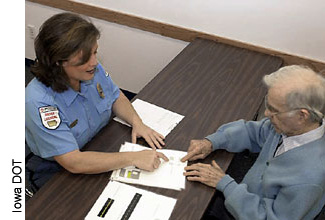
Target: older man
{"x": 287, "y": 181}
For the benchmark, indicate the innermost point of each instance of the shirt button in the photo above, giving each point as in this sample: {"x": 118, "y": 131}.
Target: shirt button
{"x": 267, "y": 163}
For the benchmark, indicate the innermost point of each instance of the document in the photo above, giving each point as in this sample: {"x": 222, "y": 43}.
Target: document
{"x": 161, "y": 120}
{"x": 169, "y": 175}
{"x": 120, "y": 201}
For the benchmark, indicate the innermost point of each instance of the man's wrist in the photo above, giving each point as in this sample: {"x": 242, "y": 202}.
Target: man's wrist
{"x": 208, "y": 144}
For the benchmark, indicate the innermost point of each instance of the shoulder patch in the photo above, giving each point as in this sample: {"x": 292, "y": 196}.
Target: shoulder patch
{"x": 50, "y": 117}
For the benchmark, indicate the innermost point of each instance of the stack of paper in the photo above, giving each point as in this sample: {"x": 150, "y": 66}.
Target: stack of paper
{"x": 120, "y": 201}
{"x": 161, "y": 120}
{"x": 169, "y": 175}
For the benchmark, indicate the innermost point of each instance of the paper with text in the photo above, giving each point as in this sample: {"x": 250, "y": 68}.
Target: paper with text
{"x": 161, "y": 120}
{"x": 169, "y": 174}
{"x": 121, "y": 201}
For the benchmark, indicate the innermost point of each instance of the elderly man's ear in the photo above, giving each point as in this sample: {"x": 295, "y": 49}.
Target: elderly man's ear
{"x": 304, "y": 114}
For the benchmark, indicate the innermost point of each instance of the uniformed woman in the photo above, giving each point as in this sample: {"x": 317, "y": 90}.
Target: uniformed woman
{"x": 70, "y": 99}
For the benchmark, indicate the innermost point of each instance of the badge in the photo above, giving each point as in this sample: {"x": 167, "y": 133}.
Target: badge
{"x": 50, "y": 117}
{"x": 74, "y": 123}
{"x": 100, "y": 91}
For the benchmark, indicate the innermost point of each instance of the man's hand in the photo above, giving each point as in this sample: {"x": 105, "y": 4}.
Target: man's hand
{"x": 148, "y": 160}
{"x": 208, "y": 174}
{"x": 153, "y": 138}
{"x": 198, "y": 149}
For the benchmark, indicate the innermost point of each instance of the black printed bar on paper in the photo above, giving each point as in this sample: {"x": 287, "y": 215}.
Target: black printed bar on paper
{"x": 131, "y": 206}
{"x": 105, "y": 208}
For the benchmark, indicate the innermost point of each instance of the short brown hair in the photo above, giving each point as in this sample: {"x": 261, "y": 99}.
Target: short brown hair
{"x": 59, "y": 37}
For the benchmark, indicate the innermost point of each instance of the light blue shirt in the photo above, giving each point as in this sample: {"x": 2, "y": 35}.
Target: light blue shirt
{"x": 58, "y": 123}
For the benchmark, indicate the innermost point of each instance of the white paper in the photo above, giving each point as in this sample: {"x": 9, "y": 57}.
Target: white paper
{"x": 168, "y": 175}
{"x": 149, "y": 206}
{"x": 161, "y": 120}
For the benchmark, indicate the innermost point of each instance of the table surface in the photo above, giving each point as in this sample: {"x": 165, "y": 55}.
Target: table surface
{"x": 210, "y": 84}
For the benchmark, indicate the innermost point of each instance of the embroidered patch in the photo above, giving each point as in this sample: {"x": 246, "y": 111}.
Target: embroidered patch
{"x": 50, "y": 117}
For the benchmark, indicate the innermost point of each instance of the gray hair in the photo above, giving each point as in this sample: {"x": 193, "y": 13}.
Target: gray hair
{"x": 310, "y": 96}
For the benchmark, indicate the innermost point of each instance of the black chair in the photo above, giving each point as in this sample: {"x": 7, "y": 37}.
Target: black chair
{"x": 321, "y": 215}
{"x": 29, "y": 189}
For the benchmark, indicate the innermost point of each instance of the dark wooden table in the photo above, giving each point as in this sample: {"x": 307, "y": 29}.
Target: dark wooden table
{"x": 210, "y": 84}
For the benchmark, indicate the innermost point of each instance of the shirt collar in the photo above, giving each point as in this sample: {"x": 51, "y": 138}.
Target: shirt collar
{"x": 298, "y": 140}
{"x": 84, "y": 85}
{"x": 69, "y": 96}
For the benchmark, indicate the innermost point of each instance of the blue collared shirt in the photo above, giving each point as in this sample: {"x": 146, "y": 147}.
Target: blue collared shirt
{"x": 58, "y": 123}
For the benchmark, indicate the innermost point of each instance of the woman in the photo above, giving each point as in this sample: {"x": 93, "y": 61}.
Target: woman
{"x": 71, "y": 99}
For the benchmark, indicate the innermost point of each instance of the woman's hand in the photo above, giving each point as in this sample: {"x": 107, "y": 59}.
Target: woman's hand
{"x": 124, "y": 110}
{"x": 153, "y": 138}
{"x": 148, "y": 160}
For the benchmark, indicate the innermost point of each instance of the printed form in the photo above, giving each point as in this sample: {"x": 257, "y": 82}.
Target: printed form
{"x": 161, "y": 120}
{"x": 169, "y": 174}
{"x": 121, "y": 201}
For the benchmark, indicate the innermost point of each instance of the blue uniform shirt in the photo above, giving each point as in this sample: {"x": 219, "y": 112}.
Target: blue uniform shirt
{"x": 58, "y": 123}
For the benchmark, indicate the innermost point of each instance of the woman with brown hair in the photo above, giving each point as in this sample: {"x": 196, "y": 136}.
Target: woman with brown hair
{"x": 70, "y": 99}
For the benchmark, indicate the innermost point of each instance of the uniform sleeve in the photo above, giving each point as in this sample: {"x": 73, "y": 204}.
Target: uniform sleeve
{"x": 43, "y": 141}
{"x": 240, "y": 135}
{"x": 291, "y": 202}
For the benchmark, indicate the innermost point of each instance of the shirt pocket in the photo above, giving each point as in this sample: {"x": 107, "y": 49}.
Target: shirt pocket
{"x": 79, "y": 130}
{"x": 104, "y": 109}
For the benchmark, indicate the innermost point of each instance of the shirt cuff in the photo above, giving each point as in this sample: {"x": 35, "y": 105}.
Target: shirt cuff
{"x": 217, "y": 140}
{"x": 226, "y": 185}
